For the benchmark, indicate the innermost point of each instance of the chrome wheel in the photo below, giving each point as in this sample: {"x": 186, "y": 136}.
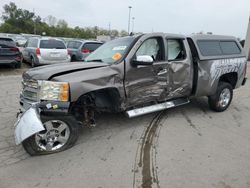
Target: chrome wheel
{"x": 225, "y": 97}
{"x": 55, "y": 136}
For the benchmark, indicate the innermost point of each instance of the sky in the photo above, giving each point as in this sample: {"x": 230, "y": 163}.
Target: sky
{"x": 226, "y": 17}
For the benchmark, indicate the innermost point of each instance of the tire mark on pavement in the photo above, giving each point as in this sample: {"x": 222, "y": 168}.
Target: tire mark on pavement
{"x": 191, "y": 123}
{"x": 145, "y": 166}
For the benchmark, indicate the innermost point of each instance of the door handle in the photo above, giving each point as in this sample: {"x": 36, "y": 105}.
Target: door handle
{"x": 163, "y": 71}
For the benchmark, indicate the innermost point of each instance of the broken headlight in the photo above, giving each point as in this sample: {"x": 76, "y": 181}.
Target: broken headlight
{"x": 54, "y": 91}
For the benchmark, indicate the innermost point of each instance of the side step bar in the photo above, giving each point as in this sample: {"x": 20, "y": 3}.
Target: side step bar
{"x": 156, "y": 107}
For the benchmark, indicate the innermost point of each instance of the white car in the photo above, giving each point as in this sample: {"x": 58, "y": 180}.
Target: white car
{"x": 43, "y": 51}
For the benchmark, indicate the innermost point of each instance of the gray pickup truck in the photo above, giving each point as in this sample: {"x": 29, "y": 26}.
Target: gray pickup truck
{"x": 136, "y": 74}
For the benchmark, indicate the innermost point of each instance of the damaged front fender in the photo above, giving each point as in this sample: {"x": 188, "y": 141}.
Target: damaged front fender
{"x": 28, "y": 124}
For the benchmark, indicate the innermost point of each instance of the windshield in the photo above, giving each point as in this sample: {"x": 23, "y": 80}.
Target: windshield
{"x": 74, "y": 44}
{"x": 112, "y": 51}
{"x": 52, "y": 44}
{"x": 6, "y": 43}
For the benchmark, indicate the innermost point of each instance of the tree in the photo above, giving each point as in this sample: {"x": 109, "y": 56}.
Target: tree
{"x": 16, "y": 20}
{"x": 51, "y": 20}
{"x": 62, "y": 24}
{"x": 123, "y": 33}
{"x": 10, "y": 11}
{"x": 114, "y": 33}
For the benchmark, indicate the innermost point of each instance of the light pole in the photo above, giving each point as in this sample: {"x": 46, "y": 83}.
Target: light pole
{"x": 34, "y": 22}
{"x": 133, "y": 24}
{"x": 129, "y": 12}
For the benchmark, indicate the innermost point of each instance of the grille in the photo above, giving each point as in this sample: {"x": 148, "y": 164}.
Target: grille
{"x": 30, "y": 90}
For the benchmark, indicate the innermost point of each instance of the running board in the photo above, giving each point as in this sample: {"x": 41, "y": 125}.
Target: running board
{"x": 156, "y": 107}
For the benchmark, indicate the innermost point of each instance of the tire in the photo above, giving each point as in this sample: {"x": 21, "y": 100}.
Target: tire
{"x": 73, "y": 58}
{"x": 32, "y": 62}
{"x": 18, "y": 65}
{"x": 221, "y": 100}
{"x": 22, "y": 60}
{"x": 31, "y": 144}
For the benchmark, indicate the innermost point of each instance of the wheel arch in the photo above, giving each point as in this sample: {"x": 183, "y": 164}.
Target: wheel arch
{"x": 230, "y": 78}
{"x": 104, "y": 99}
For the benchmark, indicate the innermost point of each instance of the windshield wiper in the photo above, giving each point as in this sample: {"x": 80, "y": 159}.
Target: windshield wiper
{"x": 95, "y": 60}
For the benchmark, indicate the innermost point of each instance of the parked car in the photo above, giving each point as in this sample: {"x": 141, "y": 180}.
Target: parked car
{"x": 9, "y": 52}
{"x": 20, "y": 41}
{"x": 136, "y": 75}
{"x": 43, "y": 51}
{"x": 80, "y": 49}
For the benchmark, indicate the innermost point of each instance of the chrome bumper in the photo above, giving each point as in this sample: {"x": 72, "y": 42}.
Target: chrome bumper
{"x": 25, "y": 104}
{"x": 28, "y": 124}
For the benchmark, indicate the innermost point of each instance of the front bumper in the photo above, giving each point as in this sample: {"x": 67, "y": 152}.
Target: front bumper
{"x": 25, "y": 104}
{"x": 9, "y": 62}
{"x": 48, "y": 62}
{"x": 29, "y": 122}
{"x": 45, "y": 106}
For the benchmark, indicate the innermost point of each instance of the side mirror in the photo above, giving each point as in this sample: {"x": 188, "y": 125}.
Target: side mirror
{"x": 143, "y": 60}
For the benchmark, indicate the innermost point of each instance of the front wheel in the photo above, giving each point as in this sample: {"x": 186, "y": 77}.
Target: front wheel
{"x": 60, "y": 134}
{"x": 221, "y": 100}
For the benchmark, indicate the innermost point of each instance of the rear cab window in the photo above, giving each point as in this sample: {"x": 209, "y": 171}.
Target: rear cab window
{"x": 52, "y": 44}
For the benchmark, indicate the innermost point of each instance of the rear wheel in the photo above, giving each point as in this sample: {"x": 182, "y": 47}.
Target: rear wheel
{"x": 22, "y": 60}
{"x": 32, "y": 62}
{"x": 221, "y": 100}
{"x": 73, "y": 58}
{"x": 60, "y": 134}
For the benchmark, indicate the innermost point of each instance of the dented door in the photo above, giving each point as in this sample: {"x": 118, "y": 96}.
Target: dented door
{"x": 180, "y": 68}
{"x": 147, "y": 83}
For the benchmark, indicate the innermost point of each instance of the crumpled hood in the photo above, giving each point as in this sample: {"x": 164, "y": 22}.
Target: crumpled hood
{"x": 50, "y": 71}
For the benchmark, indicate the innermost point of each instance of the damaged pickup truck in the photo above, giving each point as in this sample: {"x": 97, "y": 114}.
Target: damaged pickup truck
{"x": 136, "y": 74}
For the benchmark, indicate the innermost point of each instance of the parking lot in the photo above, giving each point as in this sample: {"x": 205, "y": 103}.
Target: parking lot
{"x": 189, "y": 146}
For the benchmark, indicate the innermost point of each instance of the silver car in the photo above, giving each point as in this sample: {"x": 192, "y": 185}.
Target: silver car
{"x": 80, "y": 49}
{"x": 43, "y": 51}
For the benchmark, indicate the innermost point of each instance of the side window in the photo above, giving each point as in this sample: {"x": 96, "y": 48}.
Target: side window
{"x": 229, "y": 48}
{"x": 26, "y": 44}
{"x": 29, "y": 43}
{"x": 77, "y": 45}
{"x": 218, "y": 48}
{"x": 151, "y": 47}
{"x": 176, "y": 50}
{"x": 70, "y": 44}
{"x": 32, "y": 43}
{"x": 35, "y": 43}
{"x": 209, "y": 48}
